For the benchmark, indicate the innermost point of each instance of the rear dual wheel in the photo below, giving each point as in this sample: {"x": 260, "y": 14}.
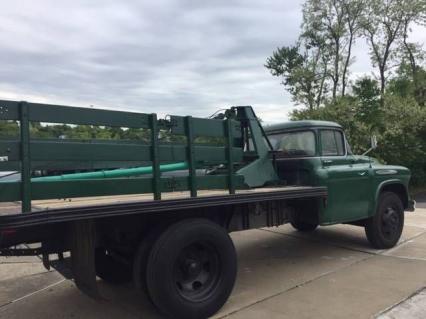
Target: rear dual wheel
{"x": 190, "y": 269}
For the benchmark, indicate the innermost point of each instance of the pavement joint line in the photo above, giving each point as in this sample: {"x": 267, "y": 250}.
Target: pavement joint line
{"x": 315, "y": 240}
{"x": 19, "y": 262}
{"x": 405, "y": 257}
{"x": 304, "y": 283}
{"x": 415, "y": 225}
{"x": 30, "y": 275}
{"x": 382, "y": 252}
{"x": 398, "y": 303}
{"x": 33, "y": 293}
{"x": 402, "y": 243}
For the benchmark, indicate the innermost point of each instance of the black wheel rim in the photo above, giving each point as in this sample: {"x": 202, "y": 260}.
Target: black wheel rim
{"x": 390, "y": 222}
{"x": 197, "y": 271}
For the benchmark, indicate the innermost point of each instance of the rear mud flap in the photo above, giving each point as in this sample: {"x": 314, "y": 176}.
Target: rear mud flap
{"x": 82, "y": 245}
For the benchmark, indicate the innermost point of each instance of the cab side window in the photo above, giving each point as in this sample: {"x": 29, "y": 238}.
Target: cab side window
{"x": 332, "y": 143}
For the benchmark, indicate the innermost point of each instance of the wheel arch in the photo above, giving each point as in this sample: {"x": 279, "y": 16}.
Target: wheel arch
{"x": 394, "y": 186}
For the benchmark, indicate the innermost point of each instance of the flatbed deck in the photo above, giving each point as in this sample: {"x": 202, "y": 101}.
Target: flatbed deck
{"x": 57, "y": 211}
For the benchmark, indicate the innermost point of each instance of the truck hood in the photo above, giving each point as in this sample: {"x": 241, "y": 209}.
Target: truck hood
{"x": 382, "y": 169}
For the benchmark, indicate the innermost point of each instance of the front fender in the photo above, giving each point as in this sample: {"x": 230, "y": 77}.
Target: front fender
{"x": 395, "y": 185}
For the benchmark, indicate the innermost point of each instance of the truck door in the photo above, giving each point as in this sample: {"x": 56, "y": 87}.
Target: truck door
{"x": 348, "y": 181}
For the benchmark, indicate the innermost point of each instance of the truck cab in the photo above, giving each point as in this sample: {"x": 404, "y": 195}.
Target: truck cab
{"x": 318, "y": 153}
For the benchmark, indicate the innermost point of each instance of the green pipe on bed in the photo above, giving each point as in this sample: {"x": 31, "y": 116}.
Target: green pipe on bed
{"x": 115, "y": 173}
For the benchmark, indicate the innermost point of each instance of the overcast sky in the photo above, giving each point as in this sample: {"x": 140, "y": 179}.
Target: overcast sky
{"x": 169, "y": 57}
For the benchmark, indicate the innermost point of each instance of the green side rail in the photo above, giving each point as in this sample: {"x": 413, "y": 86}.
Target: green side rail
{"x": 26, "y": 154}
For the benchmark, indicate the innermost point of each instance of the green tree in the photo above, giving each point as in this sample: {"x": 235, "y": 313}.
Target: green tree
{"x": 354, "y": 10}
{"x": 403, "y": 140}
{"x": 337, "y": 23}
{"x": 319, "y": 62}
{"x": 406, "y": 84}
{"x": 411, "y": 51}
{"x": 385, "y": 24}
{"x": 9, "y": 129}
{"x": 367, "y": 93}
{"x": 303, "y": 73}
{"x": 344, "y": 111}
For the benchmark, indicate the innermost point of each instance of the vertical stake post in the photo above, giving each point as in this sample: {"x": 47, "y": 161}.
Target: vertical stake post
{"x": 229, "y": 155}
{"x": 25, "y": 157}
{"x": 190, "y": 156}
{"x": 155, "y": 158}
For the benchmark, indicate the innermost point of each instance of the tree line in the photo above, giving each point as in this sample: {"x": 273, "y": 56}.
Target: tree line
{"x": 391, "y": 103}
{"x": 10, "y": 130}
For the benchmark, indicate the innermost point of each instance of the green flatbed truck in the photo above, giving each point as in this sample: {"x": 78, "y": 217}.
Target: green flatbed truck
{"x": 228, "y": 174}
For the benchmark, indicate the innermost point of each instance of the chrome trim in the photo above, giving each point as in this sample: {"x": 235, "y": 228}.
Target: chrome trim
{"x": 386, "y": 172}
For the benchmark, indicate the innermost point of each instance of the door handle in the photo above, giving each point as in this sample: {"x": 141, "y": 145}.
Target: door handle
{"x": 362, "y": 173}
{"x": 327, "y": 161}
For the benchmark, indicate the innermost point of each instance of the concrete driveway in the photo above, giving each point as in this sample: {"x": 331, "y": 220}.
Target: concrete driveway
{"x": 331, "y": 273}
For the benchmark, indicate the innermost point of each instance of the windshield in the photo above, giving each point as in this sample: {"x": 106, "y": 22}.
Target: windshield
{"x": 300, "y": 143}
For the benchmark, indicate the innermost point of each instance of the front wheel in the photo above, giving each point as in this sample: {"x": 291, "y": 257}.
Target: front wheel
{"x": 384, "y": 229}
{"x": 191, "y": 269}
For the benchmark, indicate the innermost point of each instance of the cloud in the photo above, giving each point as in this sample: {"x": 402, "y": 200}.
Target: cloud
{"x": 170, "y": 57}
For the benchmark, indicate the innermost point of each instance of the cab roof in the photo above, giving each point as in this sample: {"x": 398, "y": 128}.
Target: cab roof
{"x": 300, "y": 124}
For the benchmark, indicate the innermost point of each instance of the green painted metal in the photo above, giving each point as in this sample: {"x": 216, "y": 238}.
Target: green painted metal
{"x": 203, "y": 127}
{"x": 9, "y": 110}
{"x": 225, "y": 149}
{"x": 66, "y": 150}
{"x": 25, "y": 157}
{"x": 74, "y": 115}
{"x": 191, "y": 158}
{"x": 116, "y": 173}
{"x": 230, "y": 162}
{"x": 155, "y": 158}
{"x": 10, "y": 191}
{"x": 353, "y": 181}
{"x": 260, "y": 171}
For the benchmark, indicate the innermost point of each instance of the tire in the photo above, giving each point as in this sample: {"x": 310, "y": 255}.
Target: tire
{"x": 111, "y": 270}
{"x": 303, "y": 226}
{"x": 384, "y": 229}
{"x": 191, "y": 269}
{"x": 141, "y": 258}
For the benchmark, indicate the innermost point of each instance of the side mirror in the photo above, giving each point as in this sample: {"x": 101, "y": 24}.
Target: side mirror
{"x": 373, "y": 145}
{"x": 373, "y": 142}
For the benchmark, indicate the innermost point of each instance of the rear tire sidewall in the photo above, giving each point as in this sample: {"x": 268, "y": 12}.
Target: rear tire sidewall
{"x": 161, "y": 262}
